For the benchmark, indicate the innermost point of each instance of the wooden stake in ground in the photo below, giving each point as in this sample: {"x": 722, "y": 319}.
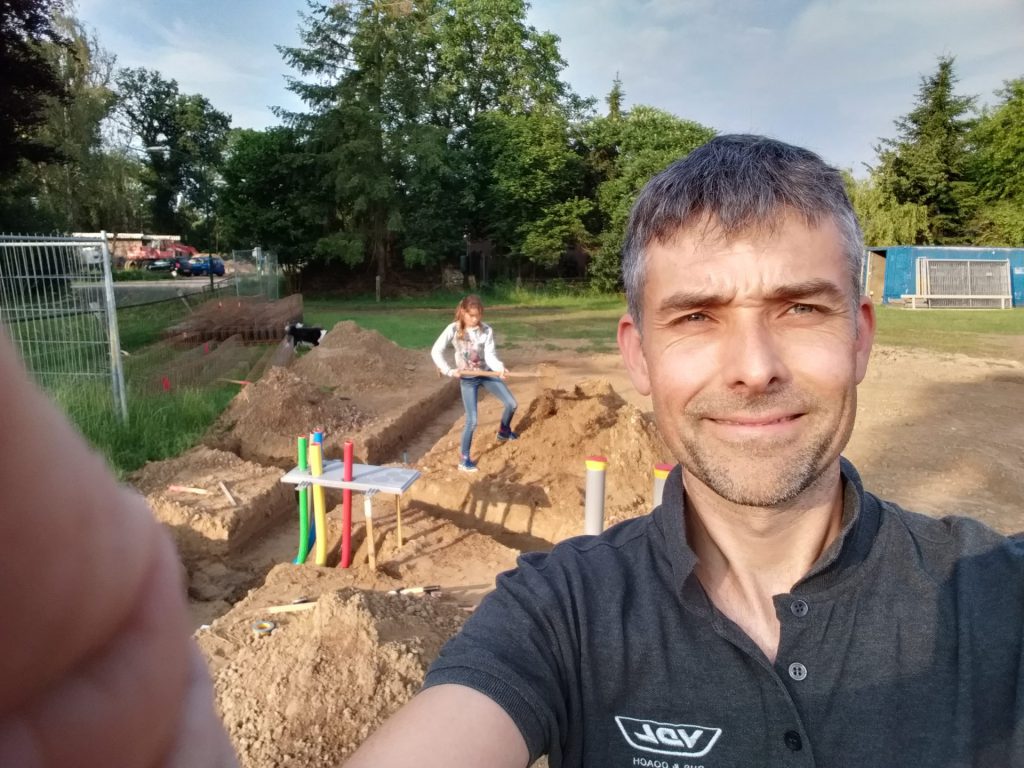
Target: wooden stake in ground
{"x": 188, "y": 489}
{"x": 227, "y": 493}
{"x": 289, "y": 608}
{"x": 398, "y": 515}
{"x": 371, "y": 547}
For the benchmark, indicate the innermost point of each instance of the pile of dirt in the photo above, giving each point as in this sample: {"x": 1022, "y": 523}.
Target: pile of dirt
{"x": 535, "y": 485}
{"x": 186, "y": 495}
{"x": 263, "y": 420}
{"x": 313, "y": 689}
{"x": 358, "y": 361}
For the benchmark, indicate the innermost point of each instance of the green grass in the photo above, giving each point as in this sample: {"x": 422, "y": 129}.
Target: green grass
{"x": 416, "y": 322}
{"x": 987, "y": 333}
{"x": 919, "y": 321}
{"x": 588, "y": 323}
{"x": 160, "y": 425}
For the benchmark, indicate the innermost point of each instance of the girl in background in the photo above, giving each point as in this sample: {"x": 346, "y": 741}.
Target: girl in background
{"x": 473, "y": 342}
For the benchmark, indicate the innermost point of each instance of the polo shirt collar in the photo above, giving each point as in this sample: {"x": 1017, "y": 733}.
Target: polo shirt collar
{"x": 860, "y": 520}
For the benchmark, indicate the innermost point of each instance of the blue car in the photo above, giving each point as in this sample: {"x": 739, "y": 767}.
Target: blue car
{"x": 203, "y": 265}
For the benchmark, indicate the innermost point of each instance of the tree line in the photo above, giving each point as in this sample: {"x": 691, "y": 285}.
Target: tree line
{"x": 426, "y": 126}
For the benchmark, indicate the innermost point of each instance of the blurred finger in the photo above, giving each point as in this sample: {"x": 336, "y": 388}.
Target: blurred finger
{"x": 201, "y": 741}
{"x": 75, "y": 549}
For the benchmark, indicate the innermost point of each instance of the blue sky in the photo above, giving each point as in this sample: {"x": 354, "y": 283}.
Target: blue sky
{"x": 831, "y": 75}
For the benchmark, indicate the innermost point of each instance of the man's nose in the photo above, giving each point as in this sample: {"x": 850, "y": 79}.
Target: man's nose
{"x": 752, "y": 356}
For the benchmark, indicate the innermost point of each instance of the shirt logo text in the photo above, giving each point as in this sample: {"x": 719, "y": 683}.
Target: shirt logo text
{"x": 681, "y": 739}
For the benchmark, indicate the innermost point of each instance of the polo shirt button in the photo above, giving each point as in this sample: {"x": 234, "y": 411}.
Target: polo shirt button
{"x": 797, "y": 671}
{"x": 799, "y": 608}
{"x": 793, "y": 741}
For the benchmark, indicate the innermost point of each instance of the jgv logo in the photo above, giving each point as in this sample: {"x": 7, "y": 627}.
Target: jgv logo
{"x": 668, "y": 738}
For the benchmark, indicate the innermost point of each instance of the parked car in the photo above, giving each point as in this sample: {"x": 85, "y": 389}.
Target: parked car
{"x": 203, "y": 265}
{"x": 176, "y": 265}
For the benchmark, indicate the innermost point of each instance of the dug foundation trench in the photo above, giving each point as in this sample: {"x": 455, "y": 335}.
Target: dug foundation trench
{"x": 276, "y": 672}
{"x": 308, "y": 691}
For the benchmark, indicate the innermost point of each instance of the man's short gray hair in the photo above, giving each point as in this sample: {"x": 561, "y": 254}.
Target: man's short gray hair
{"x": 738, "y": 183}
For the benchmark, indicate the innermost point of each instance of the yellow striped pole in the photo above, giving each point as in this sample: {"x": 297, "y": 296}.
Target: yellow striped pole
{"x": 660, "y": 474}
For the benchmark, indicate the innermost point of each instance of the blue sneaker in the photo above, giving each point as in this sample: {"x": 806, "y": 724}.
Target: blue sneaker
{"x": 507, "y": 434}
{"x": 467, "y": 465}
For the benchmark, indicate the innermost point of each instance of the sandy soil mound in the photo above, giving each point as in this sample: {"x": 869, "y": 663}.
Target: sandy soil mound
{"x": 263, "y": 420}
{"x": 208, "y": 524}
{"x": 310, "y": 692}
{"x": 357, "y": 385}
{"x": 358, "y": 361}
{"x": 535, "y": 485}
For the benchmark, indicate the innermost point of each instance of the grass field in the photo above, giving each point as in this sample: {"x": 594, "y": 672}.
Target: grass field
{"x": 543, "y": 320}
{"x": 519, "y": 318}
{"x": 978, "y": 332}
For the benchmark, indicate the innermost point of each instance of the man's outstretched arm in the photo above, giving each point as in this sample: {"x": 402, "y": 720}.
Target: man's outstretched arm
{"x": 97, "y": 667}
{"x": 447, "y": 726}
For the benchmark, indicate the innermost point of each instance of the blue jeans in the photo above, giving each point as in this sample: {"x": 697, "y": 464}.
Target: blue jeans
{"x": 470, "y": 387}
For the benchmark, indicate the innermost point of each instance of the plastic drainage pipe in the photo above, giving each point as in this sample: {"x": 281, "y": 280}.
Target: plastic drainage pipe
{"x": 316, "y": 465}
{"x": 316, "y": 436}
{"x": 346, "y": 510}
{"x": 593, "y": 519}
{"x": 303, "y": 446}
{"x": 660, "y": 473}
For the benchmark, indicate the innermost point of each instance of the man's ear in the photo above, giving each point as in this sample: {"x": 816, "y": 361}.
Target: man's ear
{"x": 865, "y": 335}
{"x": 631, "y": 347}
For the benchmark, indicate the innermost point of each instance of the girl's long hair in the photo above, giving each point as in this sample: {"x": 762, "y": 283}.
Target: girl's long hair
{"x": 469, "y": 303}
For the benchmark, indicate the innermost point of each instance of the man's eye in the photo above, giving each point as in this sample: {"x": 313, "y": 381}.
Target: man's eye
{"x": 694, "y": 317}
{"x": 802, "y": 309}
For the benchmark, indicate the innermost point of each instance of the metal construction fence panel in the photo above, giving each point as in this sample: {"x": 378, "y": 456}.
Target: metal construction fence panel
{"x": 57, "y": 303}
{"x": 255, "y": 273}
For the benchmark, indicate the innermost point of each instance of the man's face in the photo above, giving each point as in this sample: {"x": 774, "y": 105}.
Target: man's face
{"x": 751, "y": 350}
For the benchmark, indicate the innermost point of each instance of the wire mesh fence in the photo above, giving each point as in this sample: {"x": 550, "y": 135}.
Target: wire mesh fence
{"x": 57, "y": 302}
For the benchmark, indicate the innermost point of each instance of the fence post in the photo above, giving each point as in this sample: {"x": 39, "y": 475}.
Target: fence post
{"x": 114, "y": 336}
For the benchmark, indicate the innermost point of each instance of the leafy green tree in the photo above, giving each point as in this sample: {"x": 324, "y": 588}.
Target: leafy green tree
{"x": 183, "y": 138}
{"x": 398, "y": 94}
{"x": 497, "y": 75}
{"x": 88, "y": 185}
{"x": 367, "y": 66}
{"x": 637, "y": 146}
{"x": 998, "y": 169}
{"x": 268, "y": 196}
{"x": 489, "y": 58}
{"x": 927, "y": 163}
{"x": 531, "y": 204}
{"x": 28, "y": 79}
{"x": 883, "y": 220}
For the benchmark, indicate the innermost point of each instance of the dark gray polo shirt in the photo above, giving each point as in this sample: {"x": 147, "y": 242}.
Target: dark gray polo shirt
{"x": 903, "y": 646}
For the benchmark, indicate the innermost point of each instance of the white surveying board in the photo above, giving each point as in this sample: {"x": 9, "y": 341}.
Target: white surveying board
{"x": 365, "y": 477}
